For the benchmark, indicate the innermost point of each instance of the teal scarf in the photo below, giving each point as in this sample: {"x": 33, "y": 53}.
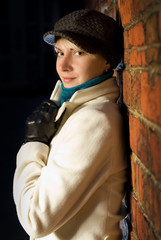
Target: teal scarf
{"x": 67, "y": 93}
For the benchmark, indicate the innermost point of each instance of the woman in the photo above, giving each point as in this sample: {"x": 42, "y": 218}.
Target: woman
{"x": 71, "y": 169}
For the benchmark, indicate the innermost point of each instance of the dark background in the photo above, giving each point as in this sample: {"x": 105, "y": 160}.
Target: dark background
{"x": 27, "y": 76}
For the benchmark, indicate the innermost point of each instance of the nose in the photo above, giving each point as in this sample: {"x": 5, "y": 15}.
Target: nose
{"x": 64, "y": 63}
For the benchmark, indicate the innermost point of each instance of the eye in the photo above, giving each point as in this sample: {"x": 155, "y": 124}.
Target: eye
{"x": 59, "y": 54}
{"x": 79, "y": 53}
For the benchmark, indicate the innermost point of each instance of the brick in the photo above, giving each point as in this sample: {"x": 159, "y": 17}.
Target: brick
{"x": 127, "y": 88}
{"x": 140, "y": 224}
{"x": 126, "y": 39}
{"x": 135, "y": 8}
{"x": 139, "y": 139}
{"x": 155, "y": 153}
{"x": 153, "y": 55}
{"x": 144, "y": 4}
{"x": 137, "y": 182}
{"x": 151, "y": 97}
{"x": 136, "y": 35}
{"x": 151, "y": 235}
{"x": 136, "y": 92}
{"x": 126, "y": 57}
{"x": 152, "y": 29}
{"x": 146, "y": 143}
{"x": 132, "y": 236}
{"x": 132, "y": 91}
{"x": 152, "y": 204}
{"x": 147, "y": 191}
{"x": 125, "y": 7}
{"x": 137, "y": 58}
{"x": 139, "y": 6}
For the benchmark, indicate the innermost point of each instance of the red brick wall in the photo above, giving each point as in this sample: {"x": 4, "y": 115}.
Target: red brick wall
{"x": 141, "y": 20}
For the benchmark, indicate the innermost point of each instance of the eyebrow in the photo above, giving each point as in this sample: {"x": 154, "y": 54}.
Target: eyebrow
{"x": 58, "y": 48}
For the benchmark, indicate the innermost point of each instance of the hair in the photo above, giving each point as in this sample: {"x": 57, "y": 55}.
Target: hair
{"x": 68, "y": 44}
{"x": 73, "y": 46}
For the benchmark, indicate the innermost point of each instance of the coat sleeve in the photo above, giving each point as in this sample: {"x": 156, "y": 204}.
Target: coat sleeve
{"x": 50, "y": 189}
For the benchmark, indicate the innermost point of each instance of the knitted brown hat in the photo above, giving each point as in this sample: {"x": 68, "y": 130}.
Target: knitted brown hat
{"x": 92, "y": 31}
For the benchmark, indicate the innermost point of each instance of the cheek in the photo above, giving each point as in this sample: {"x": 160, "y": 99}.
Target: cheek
{"x": 85, "y": 71}
{"x": 94, "y": 69}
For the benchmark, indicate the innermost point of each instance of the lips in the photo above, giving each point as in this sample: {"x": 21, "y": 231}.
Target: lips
{"x": 67, "y": 79}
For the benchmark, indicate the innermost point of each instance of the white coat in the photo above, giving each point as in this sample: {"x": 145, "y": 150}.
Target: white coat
{"x": 73, "y": 189}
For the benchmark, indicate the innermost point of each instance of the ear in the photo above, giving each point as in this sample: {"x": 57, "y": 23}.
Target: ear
{"x": 107, "y": 67}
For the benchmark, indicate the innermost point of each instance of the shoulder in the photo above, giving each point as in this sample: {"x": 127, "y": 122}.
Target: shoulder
{"x": 99, "y": 110}
{"x": 95, "y": 116}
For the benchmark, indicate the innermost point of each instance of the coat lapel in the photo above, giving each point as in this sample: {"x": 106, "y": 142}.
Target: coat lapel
{"x": 107, "y": 88}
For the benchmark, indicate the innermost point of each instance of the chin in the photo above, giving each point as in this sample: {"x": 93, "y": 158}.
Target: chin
{"x": 70, "y": 85}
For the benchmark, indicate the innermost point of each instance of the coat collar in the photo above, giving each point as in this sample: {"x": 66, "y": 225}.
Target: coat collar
{"x": 108, "y": 88}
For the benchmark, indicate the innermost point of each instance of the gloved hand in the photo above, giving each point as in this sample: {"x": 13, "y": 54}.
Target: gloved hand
{"x": 40, "y": 125}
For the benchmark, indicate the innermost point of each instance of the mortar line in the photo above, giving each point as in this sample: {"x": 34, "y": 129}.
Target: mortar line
{"x": 143, "y": 15}
{"x": 148, "y": 123}
{"x": 151, "y": 68}
{"x": 145, "y": 214}
{"x": 144, "y": 47}
{"x": 146, "y": 170}
{"x": 134, "y": 235}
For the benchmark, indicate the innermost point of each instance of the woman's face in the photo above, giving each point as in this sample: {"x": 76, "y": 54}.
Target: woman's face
{"x": 75, "y": 66}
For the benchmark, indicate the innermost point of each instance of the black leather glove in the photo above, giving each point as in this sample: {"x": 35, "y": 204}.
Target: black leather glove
{"x": 40, "y": 125}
